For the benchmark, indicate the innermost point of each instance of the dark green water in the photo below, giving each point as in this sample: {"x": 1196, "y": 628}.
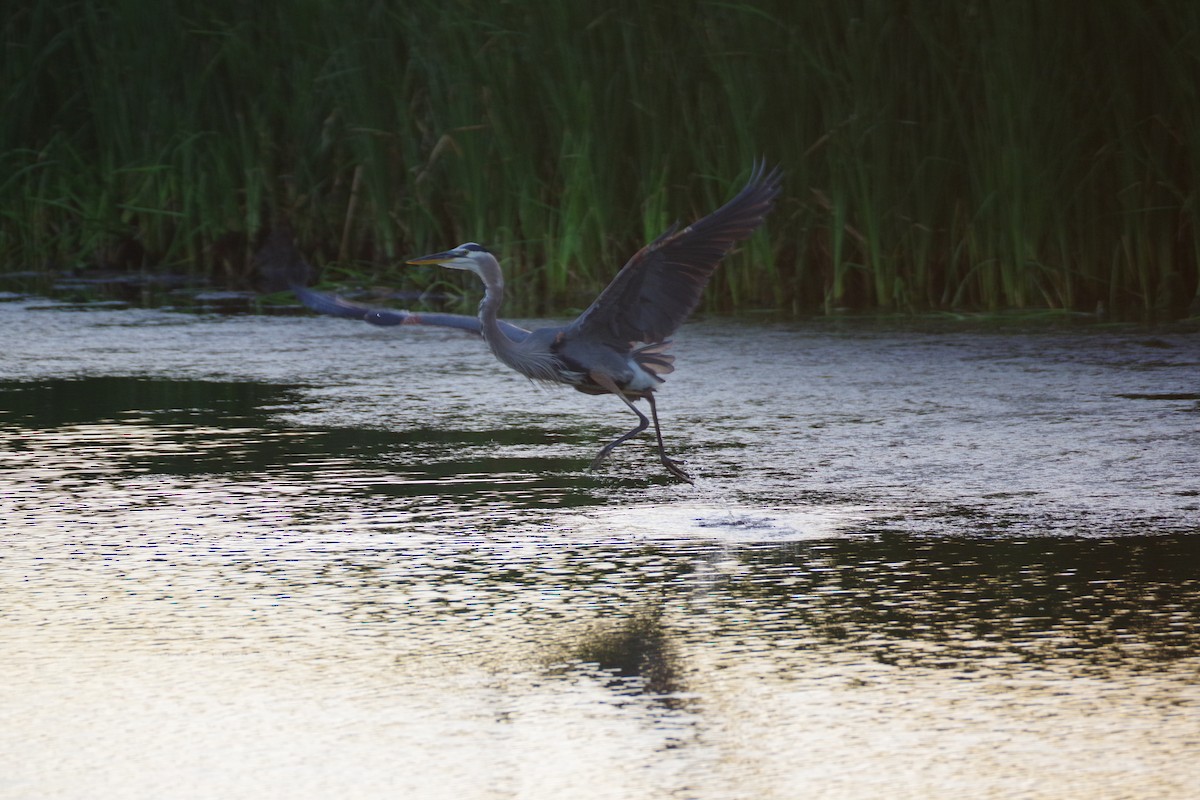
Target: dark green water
{"x": 299, "y": 557}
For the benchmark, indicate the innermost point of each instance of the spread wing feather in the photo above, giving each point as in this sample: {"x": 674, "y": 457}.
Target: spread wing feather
{"x": 661, "y": 285}
{"x": 335, "y": 306}
{"x": 281, "y": 264}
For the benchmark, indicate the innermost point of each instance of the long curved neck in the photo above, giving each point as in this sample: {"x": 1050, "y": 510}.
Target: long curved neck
{"x": 532, "y": 355}
{"x": 489, "y": 307}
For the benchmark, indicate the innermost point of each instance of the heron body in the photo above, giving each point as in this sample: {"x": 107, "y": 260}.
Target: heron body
{"x": 617, "y": 345}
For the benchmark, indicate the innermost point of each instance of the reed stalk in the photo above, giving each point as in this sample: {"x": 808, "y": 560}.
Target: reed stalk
{"x": 989, "y": 155}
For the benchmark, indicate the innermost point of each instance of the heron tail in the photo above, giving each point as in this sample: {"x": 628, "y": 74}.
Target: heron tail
{"x": 654, "y": 359}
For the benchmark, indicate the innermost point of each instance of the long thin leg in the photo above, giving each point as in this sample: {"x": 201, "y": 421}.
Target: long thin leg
{"x": 643, "y": 422}
{"x": 671, "y": 465}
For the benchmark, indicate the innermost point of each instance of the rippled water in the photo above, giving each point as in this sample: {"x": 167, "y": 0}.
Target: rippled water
{"x": 294, "y": 557}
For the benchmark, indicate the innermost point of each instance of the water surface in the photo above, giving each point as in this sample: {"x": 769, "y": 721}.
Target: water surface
{"x": 300, "y": 557}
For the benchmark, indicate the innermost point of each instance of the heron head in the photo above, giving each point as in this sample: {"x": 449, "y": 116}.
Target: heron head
{"x": 466, "y": 256}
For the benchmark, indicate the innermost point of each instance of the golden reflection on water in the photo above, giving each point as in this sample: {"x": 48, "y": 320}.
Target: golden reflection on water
{"x": 312, "y": 662}
{"x": 183, "y": 632}
{"x": 208, "y": 596}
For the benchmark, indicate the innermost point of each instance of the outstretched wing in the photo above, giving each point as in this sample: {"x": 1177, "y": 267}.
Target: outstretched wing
{"x": 661, "y": 285}
{"x": 279, "y": 262}
{"x": 334, "y": 306}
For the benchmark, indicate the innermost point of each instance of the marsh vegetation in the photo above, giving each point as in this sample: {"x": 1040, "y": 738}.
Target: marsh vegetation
{"x": 984, "y": 155}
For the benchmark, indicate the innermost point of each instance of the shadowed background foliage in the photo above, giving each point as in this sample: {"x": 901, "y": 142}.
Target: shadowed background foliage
{"x": 989, "y": 154}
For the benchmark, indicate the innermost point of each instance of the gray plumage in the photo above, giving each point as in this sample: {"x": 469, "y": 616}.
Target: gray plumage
{"x": 616, "y": 346}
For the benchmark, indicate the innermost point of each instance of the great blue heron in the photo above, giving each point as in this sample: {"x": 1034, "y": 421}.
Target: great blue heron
{"x": 617, "y": 345}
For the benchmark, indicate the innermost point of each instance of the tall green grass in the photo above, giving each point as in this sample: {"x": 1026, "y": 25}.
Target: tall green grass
{"x": 994, "y": 154}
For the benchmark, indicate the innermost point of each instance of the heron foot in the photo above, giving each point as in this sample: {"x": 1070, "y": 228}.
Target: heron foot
{"x": 671, "y": 464}
{"x": 676, "y": 470}
{"x": 599, "y": 459}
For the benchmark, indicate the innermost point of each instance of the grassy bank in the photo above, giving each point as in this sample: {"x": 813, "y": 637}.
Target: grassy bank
{"x": 994, "y": 154}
